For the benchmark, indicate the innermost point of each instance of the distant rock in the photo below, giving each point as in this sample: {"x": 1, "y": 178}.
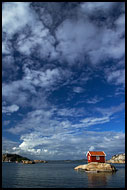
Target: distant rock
{"x": 40, "y": 161}
{"x": 119, "y": 159}
{"x": 96, "y": 167}
{"x": 13, "y": 158}
{"x": 28, "y": 162}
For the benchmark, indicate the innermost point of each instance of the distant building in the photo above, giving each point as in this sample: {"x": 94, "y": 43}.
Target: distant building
{"x": 96, "y": 156}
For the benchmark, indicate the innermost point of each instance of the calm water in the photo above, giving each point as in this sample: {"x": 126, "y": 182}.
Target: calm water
{"x": 58, "y": 174}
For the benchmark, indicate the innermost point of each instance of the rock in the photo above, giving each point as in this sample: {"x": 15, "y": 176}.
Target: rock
{"x": 28, "y": 162}
{"x": 13, "y": 158}
{"x": 40, "y": 161}
{"x": 98, "y": 167}
{"x": 84, "y": 166}
{"x": 119, "y": 158}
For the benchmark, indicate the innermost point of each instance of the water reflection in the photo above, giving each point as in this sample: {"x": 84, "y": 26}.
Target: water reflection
{"x": 98, "y": 179}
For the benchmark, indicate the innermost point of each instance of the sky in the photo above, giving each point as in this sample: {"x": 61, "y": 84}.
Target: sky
{"x": 63, "y": 79}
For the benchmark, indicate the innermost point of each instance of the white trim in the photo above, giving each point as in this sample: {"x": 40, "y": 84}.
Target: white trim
{"x": 87, "y": 153}
{"x": 96, "y": 155}
{"x": 104, "y": 153}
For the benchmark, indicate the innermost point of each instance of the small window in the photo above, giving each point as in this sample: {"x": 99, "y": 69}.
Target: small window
{"x": 88, "y": 157}
{"x": 97, "y": 157}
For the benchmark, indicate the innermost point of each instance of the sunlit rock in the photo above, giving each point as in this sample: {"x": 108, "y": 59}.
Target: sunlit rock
{"x": 98, "y": 167}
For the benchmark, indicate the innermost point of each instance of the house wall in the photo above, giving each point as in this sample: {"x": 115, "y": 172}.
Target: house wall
{"x": 93, "y": 159}
{"x": 102, "y": 159}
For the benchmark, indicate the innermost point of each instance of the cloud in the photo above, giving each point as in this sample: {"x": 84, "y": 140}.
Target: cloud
{"x": 12, "y": 21}
{"x": 20, "y": 91}
{"x": 94, "y": 100}
{"x": 78, "y": 89}
{"x": 42, "y": 78}
{"x": 7, "y": 144}
{"x": 94, "y": 121}
{"x": 74, "y": 145}
{"x": 10, "y": 109}
{"x": 112, "y": 110}
{"x": 117, "y": 77}
{"x": 90, "y": 8}
{"x": 91, "y": 148}
{"x": 6, "y": 122}
{"x": 46, "y": 135}
{"x": 72, "y": 39}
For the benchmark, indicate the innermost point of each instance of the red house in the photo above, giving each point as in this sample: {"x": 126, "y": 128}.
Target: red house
{"x": 96, "y": 156}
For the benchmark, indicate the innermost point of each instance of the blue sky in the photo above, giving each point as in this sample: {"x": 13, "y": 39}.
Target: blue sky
{"x": 63, "y": 78}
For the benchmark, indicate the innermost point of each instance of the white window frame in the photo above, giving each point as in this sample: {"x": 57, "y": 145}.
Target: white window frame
{"x": 88, "y": 157}
{"x": 97, "y": 157}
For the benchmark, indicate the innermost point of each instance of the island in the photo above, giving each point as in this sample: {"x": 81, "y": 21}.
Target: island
{"x": 117, "y": 159}
{"x": 96, "y": 167}
{"x": 104, "y": 167}
{"x": 13, "y": 158}
{"x": 19, "y": 159}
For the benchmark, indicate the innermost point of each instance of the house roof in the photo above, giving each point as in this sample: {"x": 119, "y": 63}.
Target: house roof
{"x": 96, "y": 153}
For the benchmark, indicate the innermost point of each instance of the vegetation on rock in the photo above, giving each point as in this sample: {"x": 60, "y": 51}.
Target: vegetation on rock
{"x": 13, "y": 158}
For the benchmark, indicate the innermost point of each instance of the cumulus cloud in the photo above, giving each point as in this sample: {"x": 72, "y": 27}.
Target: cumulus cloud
{"x": 74, "y": 41}
{"x": 12, "y": 21}
{"x": 74, "y": 146}
{"x": 73, "y": 38}
{"x": 51, "y": 134}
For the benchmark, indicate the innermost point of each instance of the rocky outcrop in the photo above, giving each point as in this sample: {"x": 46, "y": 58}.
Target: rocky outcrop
{"x": 119, "y": 159}
{"x": 96, "y": 167}
{"x": 28, "y": 162}
{"x": 40, "y": 161}
{"x": 13, "y": 158}
{"x": 19, "y": 159}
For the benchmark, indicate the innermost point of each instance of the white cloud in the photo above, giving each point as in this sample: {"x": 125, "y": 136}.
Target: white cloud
{"x": 91, "y": 148}
{"x": 112, "y": 110}
{"x": 117, "y": 77}
{"x": 81, "y": 37}
{"x": 41, "y": 78}
{"x": 73, "y": 39}
{"x": 94, "y": 100}
{"x": 10, "y": 109}
{"x": 94, "y": 121}
{"x": 15, "y": 15}
{"x": 45, "y": 136}
{"x": 7, "y": 144}
{"x": 90, "y": 7}
{"x": 20, "y": 90}
{"x": 78, "y": 89}
{"x": 73, "y": 145}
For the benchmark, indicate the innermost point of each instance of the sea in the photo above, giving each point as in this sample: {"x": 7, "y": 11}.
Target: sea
{"x": 59, "y": 174}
